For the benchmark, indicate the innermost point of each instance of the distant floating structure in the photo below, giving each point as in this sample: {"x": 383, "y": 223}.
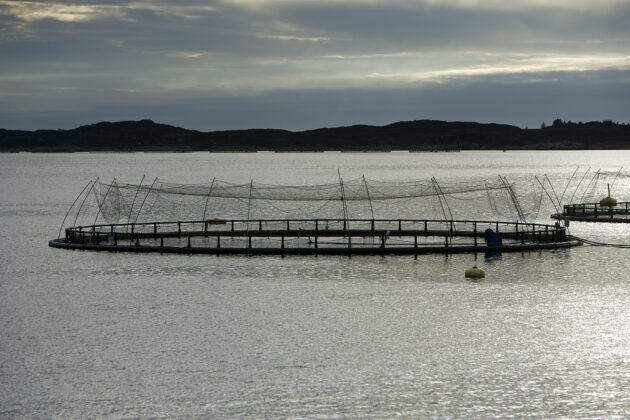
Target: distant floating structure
{"x": 606, "y": 210}
{"x": 596, "y": 212}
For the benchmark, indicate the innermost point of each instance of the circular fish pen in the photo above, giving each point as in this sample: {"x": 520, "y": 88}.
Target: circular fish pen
{"x": 316, "y": 236}
{"x": 336, "y": 218}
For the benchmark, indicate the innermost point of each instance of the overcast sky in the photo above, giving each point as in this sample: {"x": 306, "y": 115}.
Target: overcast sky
{"x": 229, "y": 64}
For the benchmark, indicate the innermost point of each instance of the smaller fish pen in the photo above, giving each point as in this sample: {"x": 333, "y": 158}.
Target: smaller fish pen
{"x": 316, "y": 236}
{"x": 596, "y": 212}
{"x": 608, "y": 209}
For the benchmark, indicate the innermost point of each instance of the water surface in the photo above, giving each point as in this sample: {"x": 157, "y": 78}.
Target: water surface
{"x": 99, "y": 335}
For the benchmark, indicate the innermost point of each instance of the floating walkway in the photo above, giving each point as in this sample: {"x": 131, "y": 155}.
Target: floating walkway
{"x": 595, "y": 212}
{"x": 314, "y": 236}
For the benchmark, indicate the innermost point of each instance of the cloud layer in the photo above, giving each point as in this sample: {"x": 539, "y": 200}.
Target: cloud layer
{"x": 86, "y": 61}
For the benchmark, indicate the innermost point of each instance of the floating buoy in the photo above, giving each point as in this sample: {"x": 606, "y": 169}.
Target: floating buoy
{"x": 475, "y": 273}
{"x": 216, "y": 221}
{"x": 608, "y": 201}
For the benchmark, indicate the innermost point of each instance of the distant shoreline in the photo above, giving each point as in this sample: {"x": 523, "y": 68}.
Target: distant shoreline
{"x": 414, "y": 136}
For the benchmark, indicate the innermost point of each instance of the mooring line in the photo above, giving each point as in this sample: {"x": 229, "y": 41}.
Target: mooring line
{"x": 596, "y": 243}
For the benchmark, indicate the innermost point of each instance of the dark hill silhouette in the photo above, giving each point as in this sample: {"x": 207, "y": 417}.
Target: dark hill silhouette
{"x": 404, "y": 135}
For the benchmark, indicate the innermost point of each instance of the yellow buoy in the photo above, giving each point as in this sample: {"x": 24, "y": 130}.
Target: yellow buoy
{"x": 608, "y": 201}
{"x": 475, "y": 273}
{"x": 216, "y": 221}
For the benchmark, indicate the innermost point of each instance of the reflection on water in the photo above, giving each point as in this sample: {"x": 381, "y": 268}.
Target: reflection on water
{"x": 544, "y": 334}
{"x": 491, "y": 257}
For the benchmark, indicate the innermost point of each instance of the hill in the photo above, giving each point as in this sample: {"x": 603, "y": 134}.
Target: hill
{"x": 147, "y": 135}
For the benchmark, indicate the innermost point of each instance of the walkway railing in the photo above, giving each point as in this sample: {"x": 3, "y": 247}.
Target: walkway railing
{"x": 312, "y": 233}
{"x": 596, "y": 210}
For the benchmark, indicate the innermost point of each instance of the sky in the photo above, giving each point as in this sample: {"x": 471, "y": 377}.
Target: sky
{"x": 234, "y": 64}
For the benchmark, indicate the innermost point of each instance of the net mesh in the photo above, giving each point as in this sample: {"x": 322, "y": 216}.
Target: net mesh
{"x": 521, "y": 198}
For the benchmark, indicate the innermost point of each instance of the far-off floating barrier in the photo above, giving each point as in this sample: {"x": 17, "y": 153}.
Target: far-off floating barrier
{"x": 315, "y": 236}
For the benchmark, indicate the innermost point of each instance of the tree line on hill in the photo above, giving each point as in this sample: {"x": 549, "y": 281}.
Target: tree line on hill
{"x": 421, "y": 135}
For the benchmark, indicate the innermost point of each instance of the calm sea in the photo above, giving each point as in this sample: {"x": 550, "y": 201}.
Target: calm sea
{"x": 98, "y": 335}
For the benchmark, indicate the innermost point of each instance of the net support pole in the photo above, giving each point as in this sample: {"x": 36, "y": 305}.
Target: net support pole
{"x": 71, "y": 206}
{"x": 145, "y": 199}
{"x": 615, "y": 179}
{"x": 367, "y": 191}
{"x": 100, "y": 206}
{"x": 553, "y": 191}
{"x": 344, "y": 207}
{"x": 437, "y": 192}
{"x": 208, "y": 199}
{"x": 441, "y": 197}
{"x": 249, "y": 203}
{"x": 134, "y": 199}
{"x": 548, "y": 195}
{"x": 157, "y": 197}
{"x": 568, "y": 182}
{"x": 595, "y": 176}
{"x": 83, "y": 202}
{"x": 517, "y": 206}
{"x": 578, "y": 185}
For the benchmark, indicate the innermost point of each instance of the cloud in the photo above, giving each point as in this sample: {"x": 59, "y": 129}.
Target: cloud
{"x": 510, "y": 99}
{"x": 294, "y": 37}
{"x": 85, "y": 57}
{"x": 30, "y": 11}
{"x": 400, "y": 69}
{"x": 181, "y": 54}
{"x": 516, "y": 64}
{"x": 368, "y": 56}
{"x": 264, "y": 6}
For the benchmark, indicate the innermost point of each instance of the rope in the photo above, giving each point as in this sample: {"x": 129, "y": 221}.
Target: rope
{"x": 596, "y": 243}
